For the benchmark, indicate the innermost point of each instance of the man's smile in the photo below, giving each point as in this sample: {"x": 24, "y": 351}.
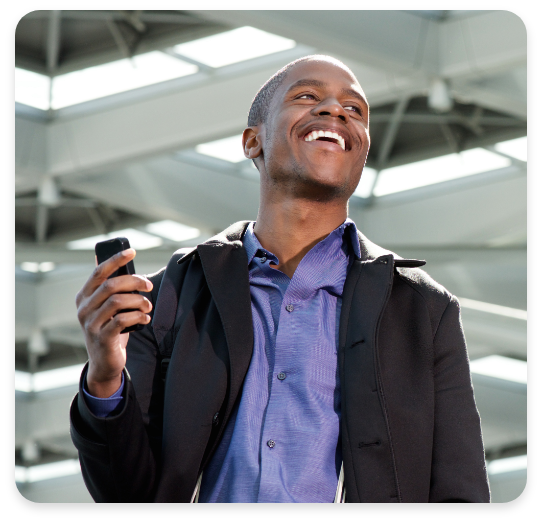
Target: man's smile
{"x": 327, "y": 132}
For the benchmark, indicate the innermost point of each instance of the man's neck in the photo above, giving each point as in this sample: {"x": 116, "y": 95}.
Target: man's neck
{"x": 290, "y": 228}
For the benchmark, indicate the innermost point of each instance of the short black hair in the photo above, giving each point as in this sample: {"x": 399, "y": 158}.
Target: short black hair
{"x": 262, "y": 100}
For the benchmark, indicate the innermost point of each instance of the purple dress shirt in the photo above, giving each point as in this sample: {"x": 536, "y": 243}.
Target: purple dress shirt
{"x": 282, "y": 441}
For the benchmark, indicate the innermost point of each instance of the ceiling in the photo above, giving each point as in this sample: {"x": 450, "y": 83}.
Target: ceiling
{"x": 129, "y": 159}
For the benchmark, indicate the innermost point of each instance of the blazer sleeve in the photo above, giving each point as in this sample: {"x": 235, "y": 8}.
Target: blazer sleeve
{"x": 120, "y": 454}
{"x": 458, "y": 466}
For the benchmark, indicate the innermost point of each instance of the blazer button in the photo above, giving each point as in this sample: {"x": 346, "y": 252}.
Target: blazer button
{"x": 215, "y": 419}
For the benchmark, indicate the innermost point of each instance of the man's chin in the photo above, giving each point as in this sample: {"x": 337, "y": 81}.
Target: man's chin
{"x": 320, "y": 189}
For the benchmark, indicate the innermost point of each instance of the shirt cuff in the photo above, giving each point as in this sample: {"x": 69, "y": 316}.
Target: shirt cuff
{"x": 103, "y": 407}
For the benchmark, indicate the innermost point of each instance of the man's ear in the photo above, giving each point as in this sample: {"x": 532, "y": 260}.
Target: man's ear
{"x": 252, "y": 142}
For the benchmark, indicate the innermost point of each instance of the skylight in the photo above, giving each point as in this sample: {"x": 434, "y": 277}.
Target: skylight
{"x": 516, "y": 148}
{"x": 366, "y": 181}
{"x": 500, "y": 367}
{"x": 233, "y": 46}
{"x": 37, "y": 267}
{"x": 138, "y": 240}
{"x": 499, "y": 466}
{"x": 435, "y": 170}
{"x": 229, "y": 149}
{"x": 47, "y": 379}
{"x": 493, "y": 308}
{"x": 57, "y": 469}
{"x": 115, "y": 77}
{"x": 32, "y": 88}
{"x": 174, "y": 231}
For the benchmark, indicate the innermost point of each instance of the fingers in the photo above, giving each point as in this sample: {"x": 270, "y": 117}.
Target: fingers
{"x": 103, "y": 271}
{"x": 122, "y": 320}
{"x": 119, "y": 302}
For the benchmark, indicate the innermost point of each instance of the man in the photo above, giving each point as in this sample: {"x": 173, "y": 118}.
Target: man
{"x": 294, "y": 350}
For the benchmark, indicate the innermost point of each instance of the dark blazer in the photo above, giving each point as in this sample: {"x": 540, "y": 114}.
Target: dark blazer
{"x": 410, "y": 428}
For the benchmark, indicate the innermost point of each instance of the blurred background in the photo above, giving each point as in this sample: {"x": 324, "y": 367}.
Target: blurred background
{"x": 128, "y": 123}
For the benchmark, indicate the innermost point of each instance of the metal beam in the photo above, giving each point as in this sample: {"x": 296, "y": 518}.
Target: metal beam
{"x": 144, "y": 16}
{"x": 42, "y": 219}
{"x": 391, "y": 132}
{"x": 124, "y": 48}
{"x": 53, "y": 41}
{"x": 203, "y": 67}
{"x": 427, "y": 118}
{"x": 387, "y": 142}
{"x": 450, "y": 137}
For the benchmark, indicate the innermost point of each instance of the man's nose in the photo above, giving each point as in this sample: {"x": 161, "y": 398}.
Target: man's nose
{"x": 331, "y": 107}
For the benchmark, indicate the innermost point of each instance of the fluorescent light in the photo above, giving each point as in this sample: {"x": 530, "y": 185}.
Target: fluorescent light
{"x": 516, "y": 148}
{"x": 116, "y": 77}
{"x": 173, "y": 230}
{"x": 47, "y": 266}
{"x": 47, "y": 379}
{"x": 233, "y": 46}
{"x": 229, "y": 149}
{"x": 47, "y": 471}
{"x": 493, "y": 309}
{"x": 30, "y": 266}
{"x": 37, "y": 267}
{"x": 500, "y": 367}
{"x": 23, "y": 381}
{"x": 366, "y": 181}
{"x": 138, "y": 240}
{"x": 436, "y": 170}
{"x": 32, "y": 88}
{"x": 499, "y": 466}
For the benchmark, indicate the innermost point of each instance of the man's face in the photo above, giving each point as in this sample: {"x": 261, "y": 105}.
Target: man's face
{"x": 316, "y": 98}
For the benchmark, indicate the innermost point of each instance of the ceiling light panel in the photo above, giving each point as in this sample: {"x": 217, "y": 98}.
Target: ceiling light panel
{"x": 229, "y": 149}
{"x": 500, "y": 367}
{"x": 174, "y": 231}
{"x": 32, "y": 88}
{"x": 365, "y": 185}
{"x": 48, "y": 379}
{"x": 138, "y": 240}
{"x": 436, "y": 170}
{"x": 116, "y": 77}
{"x": 516, "y": 148}
{"x": 233, "y": 46}
{"x": 57, "y": 469}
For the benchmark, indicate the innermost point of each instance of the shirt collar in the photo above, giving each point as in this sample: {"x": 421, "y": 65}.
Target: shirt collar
{"x": 253, "y": 246}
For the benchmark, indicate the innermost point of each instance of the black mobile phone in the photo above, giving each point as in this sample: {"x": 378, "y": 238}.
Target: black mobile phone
{"x": 104, "y": 250}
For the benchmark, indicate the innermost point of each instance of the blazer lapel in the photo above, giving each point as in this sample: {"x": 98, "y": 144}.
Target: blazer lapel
{"x": 225, "y": 265}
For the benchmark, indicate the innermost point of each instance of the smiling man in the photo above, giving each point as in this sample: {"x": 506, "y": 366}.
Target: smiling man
{"x": 284, "y": 360}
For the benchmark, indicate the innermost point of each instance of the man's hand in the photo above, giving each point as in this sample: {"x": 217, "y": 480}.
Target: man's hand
{"x": 98, "y": 305}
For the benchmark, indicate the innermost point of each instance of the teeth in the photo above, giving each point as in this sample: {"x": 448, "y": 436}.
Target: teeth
{"x": 314, "y": 135}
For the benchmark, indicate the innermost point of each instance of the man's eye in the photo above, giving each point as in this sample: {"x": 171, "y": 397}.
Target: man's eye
{"x": 307, "y": 96}
{"x": 353, "y": 108}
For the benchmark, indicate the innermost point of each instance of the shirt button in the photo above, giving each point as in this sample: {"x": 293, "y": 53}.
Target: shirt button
{"x": 270, "y": 443}
{"x": 281, "y": 376}
{"x": 263, "y": 259}
{"x": 289, "y": 307}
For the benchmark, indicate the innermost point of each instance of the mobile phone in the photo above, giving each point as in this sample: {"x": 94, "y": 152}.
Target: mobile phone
{"x": 104, "y": 250}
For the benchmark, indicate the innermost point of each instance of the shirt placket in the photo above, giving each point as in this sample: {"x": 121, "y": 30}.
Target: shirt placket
{"x": 273, "y": 442}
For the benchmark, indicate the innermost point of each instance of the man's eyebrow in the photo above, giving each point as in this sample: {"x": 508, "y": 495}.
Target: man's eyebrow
{"x": 355, "y": 94}
{"x": 307, "y": 82}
